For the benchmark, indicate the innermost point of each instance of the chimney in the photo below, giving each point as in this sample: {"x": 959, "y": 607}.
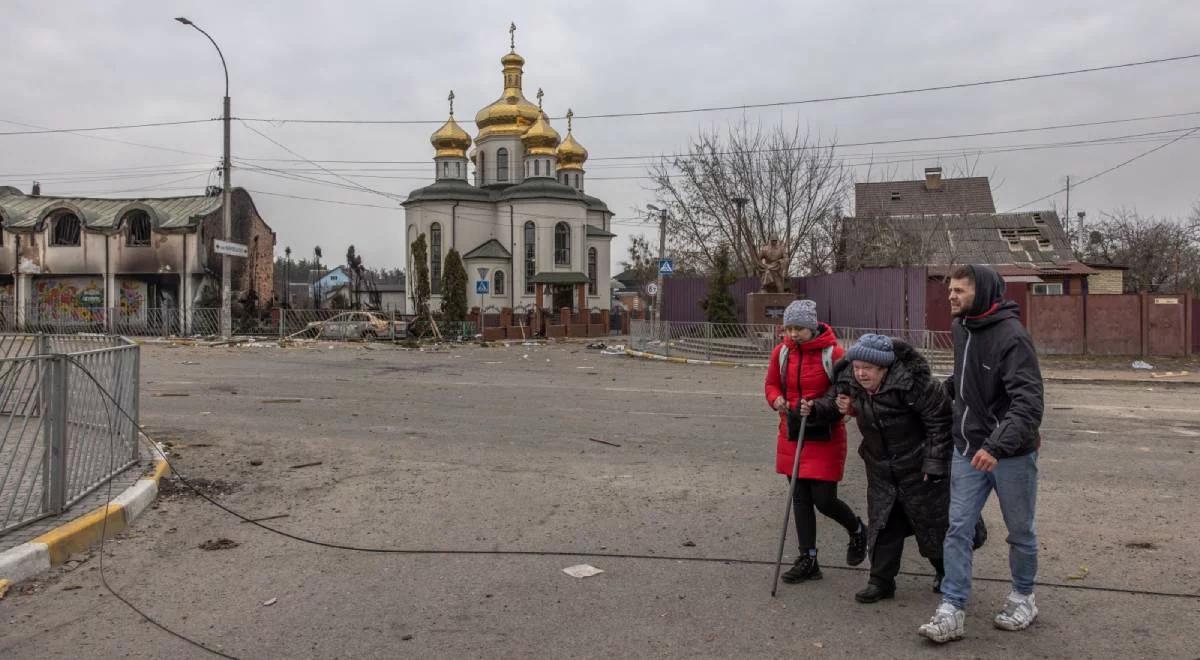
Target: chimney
{"x": 933, "y": 178}
{"x": 36, "y": 190}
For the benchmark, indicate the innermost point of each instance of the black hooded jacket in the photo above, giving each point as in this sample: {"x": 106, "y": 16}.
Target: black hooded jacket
{"x": 996, "y": 384}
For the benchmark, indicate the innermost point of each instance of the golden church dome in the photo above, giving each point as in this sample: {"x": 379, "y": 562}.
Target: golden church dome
{"x": 541, "y": 139}
{"x": 571, "y": 154}
{"x": 512, "y": 113}
{"x": 450, "y": 140}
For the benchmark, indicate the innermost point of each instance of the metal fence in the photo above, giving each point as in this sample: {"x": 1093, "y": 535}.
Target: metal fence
{"x": 749, "y": 342}
{"x": 61, "y": 436}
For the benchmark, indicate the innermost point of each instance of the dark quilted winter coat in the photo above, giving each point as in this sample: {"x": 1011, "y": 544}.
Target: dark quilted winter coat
{"x": 906, "y": 435}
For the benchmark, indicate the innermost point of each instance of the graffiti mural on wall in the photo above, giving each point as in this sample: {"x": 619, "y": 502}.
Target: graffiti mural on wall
{"x": 131, "y": 299}
{"x": 72, "y": 299}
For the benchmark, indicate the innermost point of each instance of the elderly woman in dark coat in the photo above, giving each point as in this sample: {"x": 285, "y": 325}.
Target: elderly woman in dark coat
{"x": 904, "y": 416}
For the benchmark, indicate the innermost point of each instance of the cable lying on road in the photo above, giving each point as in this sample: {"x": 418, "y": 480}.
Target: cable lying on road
{"x": 503, "y": 553}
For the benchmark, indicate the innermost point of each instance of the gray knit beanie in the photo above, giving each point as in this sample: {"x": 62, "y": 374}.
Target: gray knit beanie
{"x": 876, "y": 349}
{"x": 801, "y": 313}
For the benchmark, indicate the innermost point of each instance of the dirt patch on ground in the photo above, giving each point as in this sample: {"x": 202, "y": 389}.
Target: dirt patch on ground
{"x": 174, "y": 488}
{"x": 219, "y": 544}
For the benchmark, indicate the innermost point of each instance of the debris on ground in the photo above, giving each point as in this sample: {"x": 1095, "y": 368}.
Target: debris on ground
{"x": 256, "y": 463}
{"x": 270, "y": 602}
{"x": 166, "y": 394}
{"x": 1141, "y": 364}
{"x": 1141, "y": 545}
{"x": 4, "y": 585}
{"x": 582, "y": 571}
{"x": 304, "y": 465}
{"x": 1080, "y": 574}
{"x": 689, "y": 544}
{"x": 1168, "y": 374}
{"x": 174, "y": 487}
{"x": 605, "y": 442}
{"x": 219, "y": 544}
{"x": 618, "y": 349}
{"x": 280, "y": 401}
{"x": 597, "y": 346}
{"x": 406, "y": 638}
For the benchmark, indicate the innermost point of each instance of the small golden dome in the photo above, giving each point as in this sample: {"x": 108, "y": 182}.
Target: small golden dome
{"x": 541, "y": 139}
{"x": 450, "y": 140}
{"x": 512, "y": 60}
{"x": 571, "y": 154}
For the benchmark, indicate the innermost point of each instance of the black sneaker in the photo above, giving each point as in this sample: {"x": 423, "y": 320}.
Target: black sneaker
{"x": 937, "y": 583}
{"x": 875, "y": 593}
{"x": 856, "y": 551}
{"x": 805, "y": 568}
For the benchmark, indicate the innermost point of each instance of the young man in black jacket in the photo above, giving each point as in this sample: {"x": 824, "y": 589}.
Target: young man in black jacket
{"x": 998, "y": 403}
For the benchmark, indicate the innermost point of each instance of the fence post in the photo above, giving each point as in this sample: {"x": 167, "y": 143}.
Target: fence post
{"x": 282, "y": 319}
{"x": 54, "y": 430}
{"x": 666, "y": 331}
{"x": 135, "y": 399}
{"x": 392, "y": 324}
{"x": 708, "y": 338}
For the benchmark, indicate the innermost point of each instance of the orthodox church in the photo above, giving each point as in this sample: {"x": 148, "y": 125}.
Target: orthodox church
{"x": 512, "y": 201}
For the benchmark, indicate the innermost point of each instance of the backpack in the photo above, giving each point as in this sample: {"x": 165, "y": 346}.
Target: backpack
{"x": 826, "y": 363}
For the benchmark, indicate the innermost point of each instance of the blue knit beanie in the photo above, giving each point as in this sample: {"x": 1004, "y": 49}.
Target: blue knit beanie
{"x": 802, "y": 314}
{"x": 876, "y": 349}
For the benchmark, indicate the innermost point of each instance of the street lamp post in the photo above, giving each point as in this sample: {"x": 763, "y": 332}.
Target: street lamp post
{"x": 226, "y": 211}
{"x": 662, "y": 254}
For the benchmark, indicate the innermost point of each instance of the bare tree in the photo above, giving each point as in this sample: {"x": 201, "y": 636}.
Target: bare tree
{"x": 793, "y": 184}
{"x": 1161, "y": 254}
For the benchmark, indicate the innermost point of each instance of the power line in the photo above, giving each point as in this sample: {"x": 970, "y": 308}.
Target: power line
{"x": 117, "y": 127}
{"x": 1111, "y": 169}
{"x": 316, "y": 199}
{"x": 773, "y": 104}
{"x": 351, "y": 182}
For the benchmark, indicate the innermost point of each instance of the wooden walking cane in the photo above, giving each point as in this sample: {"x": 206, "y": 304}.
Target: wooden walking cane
{"x": 787, "y": 512}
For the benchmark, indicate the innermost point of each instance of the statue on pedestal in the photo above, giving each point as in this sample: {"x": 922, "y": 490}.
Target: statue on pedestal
{"x": 771, "y": 262}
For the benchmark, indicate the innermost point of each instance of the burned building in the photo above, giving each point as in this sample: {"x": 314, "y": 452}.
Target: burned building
{"x": 99, "y": 261}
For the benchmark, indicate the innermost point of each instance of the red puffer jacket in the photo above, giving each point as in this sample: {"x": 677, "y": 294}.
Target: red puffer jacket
{"x": 824, "y": 460}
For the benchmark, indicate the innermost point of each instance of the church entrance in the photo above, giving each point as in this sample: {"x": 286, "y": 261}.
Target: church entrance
{"x": 561, "y": 297}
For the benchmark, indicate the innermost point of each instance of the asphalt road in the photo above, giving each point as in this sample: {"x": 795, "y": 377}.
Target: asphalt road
{"x": 490, "y": 449}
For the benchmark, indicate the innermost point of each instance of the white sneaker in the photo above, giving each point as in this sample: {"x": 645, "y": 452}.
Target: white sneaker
{"x": 946, "y": 624}
{"x": 1019, "y": 611}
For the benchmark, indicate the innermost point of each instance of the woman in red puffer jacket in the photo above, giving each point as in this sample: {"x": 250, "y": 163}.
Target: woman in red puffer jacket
{"x": 797, "y": 374}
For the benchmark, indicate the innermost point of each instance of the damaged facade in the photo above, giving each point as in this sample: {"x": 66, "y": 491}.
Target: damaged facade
{"x": 92, "y": 261}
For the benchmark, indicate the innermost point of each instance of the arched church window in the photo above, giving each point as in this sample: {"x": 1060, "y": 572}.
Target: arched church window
{"x": 498, "y": 283}
{"x": 592, "y": 271}
{"x": 435, "y": 259}
{"x": 530, "y": 256}
{"x": 502, "y": 164}
{"x": 537, "y": 168}
{"x": 562, "y": 244}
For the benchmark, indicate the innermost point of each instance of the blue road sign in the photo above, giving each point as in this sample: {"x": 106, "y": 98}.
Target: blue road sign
{"x": 666, "y": 267}
{"x": 481, "y": 287}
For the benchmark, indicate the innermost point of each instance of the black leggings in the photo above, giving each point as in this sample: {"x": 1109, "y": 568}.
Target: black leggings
{"x": 811, "y": 493}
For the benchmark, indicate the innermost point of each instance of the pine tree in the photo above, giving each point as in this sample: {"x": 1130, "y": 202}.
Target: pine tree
{"x": 420, "y": 255}
{"x": 454, "y": 291}
{"x": 719, "y": 306}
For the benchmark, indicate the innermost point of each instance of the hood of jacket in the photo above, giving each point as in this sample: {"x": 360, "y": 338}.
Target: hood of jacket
{"x": 990, "y": 306}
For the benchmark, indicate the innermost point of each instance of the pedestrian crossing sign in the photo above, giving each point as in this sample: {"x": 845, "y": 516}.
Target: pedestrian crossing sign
{"x": 666, "y": 267}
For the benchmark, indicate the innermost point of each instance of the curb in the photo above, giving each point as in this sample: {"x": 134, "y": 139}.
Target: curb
{"x": 678, "y": 360}
{"x": 57, "y": 545}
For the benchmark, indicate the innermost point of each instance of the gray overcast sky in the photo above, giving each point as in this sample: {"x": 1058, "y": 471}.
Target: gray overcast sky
{"x": 76, "y": 63}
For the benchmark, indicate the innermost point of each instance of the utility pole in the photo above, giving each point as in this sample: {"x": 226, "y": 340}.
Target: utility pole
{"x": 1067, "y": 211}
{"x": 226, "y": 211}
{"x": 662, "y": 254}
{"x": 287, "y": 277}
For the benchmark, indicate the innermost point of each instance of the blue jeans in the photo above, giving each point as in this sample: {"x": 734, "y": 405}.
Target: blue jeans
{"x": 1015, "y": 483}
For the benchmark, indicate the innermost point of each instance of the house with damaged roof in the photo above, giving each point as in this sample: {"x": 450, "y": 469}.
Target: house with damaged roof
{"x": 940, "y": 223}
{"x": 125, "y": 265}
